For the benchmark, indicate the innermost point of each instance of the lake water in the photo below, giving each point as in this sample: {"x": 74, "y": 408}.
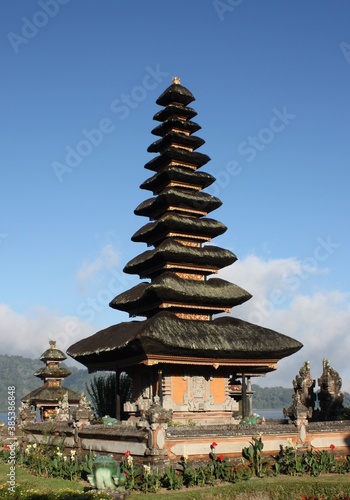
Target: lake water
{"x": 275, "y": 414}
{"x": 3, "y": 417}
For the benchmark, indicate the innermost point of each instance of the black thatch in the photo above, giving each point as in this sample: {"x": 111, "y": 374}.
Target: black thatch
{"x": 180, "y": 198}
{"x": 53, "y": 354}
{"x": 168, "y": 287}
{"x": 51, "y": 395}
{"x": 173, "y": 123}
{"x": 177, "y": 154}
{"x": 172, "y": 251}
{"x": 172, "y": 138}
{"x": 174, "y": 111}
{"x": 175, "y": 93}
{"x": 178, "y": 213}
{"x": 172, "y": 222}
{"x": 46, "y": 371}
{"x": 159, "y": 181}
{"x": 165, "y": 334}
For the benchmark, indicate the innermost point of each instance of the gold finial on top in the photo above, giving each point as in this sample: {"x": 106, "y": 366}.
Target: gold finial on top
{"x": 176, "y": 80}
{"x": 52, "y": 344}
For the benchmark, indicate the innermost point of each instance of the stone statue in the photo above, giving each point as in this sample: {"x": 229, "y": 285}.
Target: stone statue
{"x": 83, "y": 413}
{"x": 303, "y": 398}
{"x": 26, "y": 414}
{"x": 297, "y": 412}
{"x": 106, "y": 475}
{"x": 156, "y": 413}
{"x": 330, "y": 396}
{"x": 304, "y": 384}
{"x": 63, "y": 408}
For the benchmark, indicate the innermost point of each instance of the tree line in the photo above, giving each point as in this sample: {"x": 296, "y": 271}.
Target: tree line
{"x": 18, "y": 371}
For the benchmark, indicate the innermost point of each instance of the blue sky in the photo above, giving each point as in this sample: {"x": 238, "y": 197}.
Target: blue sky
{"x": 79, "y": 85}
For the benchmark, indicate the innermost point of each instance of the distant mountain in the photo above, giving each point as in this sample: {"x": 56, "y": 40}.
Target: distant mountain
{"x": 269, "y": 398}
{"x": 18, "y": 371}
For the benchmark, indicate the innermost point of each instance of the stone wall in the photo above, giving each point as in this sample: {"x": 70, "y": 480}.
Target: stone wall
{"x": 162, "y": 442}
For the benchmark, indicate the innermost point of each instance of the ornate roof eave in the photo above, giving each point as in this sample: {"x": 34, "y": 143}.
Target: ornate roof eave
{"x": 185, "y": 127}
{"x": 174, "y": 111}
{"x": 168, "y": 287}
{"x": 175, "y": 93}
{"x": 170, "y": 223}
{"x": 170, "y": 251}
{"x": 178, "y": 156}
{"x": 227, "y": 367}
{"x": 175, "y": 139}
{"x": 47, "y": 372}
{"x": 178, "y": 176}
{"x": 45, "y": 394}
{"x": 182, "y": 200}
{"x": 53, "y": 354}
{"x": 223, "y": 338}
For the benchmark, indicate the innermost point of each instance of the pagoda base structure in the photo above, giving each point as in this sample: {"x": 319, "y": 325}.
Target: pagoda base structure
{"x": 187, "y": 381}
{"x": 187, "y": 394}
{"x": 202, "y": 394}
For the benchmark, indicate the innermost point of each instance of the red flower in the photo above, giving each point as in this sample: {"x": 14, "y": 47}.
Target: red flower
{"x": 126, "y": 474}
{"x": 221, "y": 457}
{"x": 127, "y": 453}
{"x": 213, "y": 444}
{"x": 6, "y": 447}
{"x": 332, "y": 447}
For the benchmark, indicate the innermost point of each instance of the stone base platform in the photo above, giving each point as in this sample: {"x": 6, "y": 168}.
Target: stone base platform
{"x": 157, "y": 442}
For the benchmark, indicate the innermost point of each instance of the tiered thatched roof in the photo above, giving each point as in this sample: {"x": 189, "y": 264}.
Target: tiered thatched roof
{"x": 180, "y": 299}
{"x": 51, "y": 392}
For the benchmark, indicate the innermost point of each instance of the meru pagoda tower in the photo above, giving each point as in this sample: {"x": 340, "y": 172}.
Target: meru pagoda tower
{"x": 179, "y": 352}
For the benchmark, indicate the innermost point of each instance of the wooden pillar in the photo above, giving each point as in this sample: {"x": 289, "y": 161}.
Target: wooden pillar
{"x": 118, "y": 411}
{"x": 249, "y": 397}
{"x": 160, "y": 388}
{"x": 244, "y": 396}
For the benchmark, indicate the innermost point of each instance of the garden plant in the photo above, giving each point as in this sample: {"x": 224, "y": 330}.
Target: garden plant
{"x": 49, "y": 459}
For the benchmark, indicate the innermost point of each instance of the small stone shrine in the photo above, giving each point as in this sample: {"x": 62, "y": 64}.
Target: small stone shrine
{"x": 51, "y": 400}
{"x": 304, "y": 396}
{"x": 180, "y": 352}
{"x": 330, "y": 397}
{"x": 83, "y": 413}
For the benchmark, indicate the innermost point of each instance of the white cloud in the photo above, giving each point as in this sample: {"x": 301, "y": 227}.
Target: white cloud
{"x": 29, "y": 335}
{"x": 320, "y": 321}
{"x": 108, "y": 258}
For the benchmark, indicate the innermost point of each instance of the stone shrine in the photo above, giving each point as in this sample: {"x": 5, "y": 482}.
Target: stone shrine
{"x": 51, "y": 399}
{"x": 330, "y": 396}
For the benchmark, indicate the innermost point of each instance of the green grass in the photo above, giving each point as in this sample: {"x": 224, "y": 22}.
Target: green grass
{"x": 26, "y": 482}
{"x": 275, "y": 488}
